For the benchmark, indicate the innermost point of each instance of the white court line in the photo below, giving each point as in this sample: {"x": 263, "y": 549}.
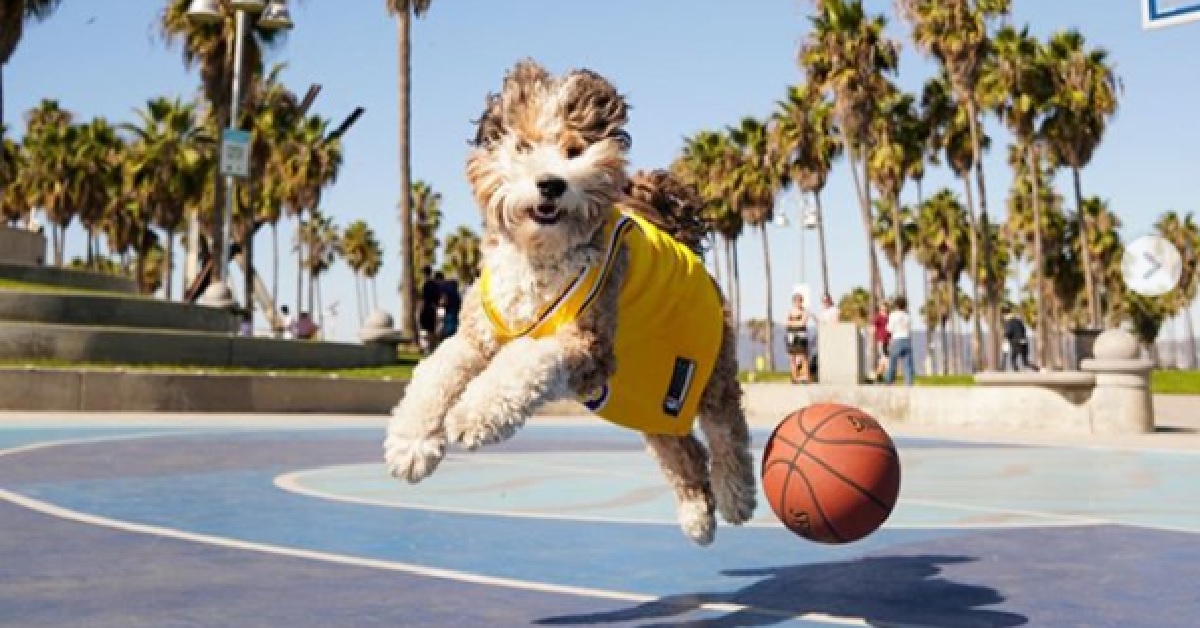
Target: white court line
{"x": 293, "y": 482}
{"x": 387, "y": 565}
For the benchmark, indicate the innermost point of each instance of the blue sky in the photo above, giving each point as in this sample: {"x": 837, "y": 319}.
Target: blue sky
{"x": 685, "y": 65}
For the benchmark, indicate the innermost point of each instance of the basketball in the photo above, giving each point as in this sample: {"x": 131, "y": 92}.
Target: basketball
{"x": 831, "y": 473}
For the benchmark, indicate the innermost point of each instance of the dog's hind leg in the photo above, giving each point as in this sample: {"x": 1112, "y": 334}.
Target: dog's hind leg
{"x": 684, "y": 462}
{"x": 723, "y": 421}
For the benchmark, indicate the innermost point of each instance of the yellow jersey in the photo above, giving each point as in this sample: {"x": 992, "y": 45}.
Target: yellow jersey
{"x": 669, "y": 326}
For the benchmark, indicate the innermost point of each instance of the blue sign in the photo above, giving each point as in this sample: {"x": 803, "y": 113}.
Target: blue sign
{"x": 235, "y": 153}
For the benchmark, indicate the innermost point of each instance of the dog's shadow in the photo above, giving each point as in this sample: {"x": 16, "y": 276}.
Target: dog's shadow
{"x": 904, "y": 590}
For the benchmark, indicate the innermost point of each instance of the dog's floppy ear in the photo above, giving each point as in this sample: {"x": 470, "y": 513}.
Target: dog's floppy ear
{"x": 490, "y": 125}
{"x": 594, "y": 109}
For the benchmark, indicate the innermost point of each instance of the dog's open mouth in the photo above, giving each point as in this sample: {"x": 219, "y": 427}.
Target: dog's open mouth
{"x": 546, "y": 214}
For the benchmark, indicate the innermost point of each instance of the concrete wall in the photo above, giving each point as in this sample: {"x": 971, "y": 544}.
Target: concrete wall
{"x": 101, "y": 391}
{"x": 30, "y": 341}
{"x": 111, "y": 311}
{"x": 67, "y": 278}
{"x": 21, "y": 246}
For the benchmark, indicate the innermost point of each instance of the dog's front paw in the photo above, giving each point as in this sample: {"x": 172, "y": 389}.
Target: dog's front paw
{"x": 472, "y": 428}
{"x": 413, "y": 458}
{"x": 697, "y": 521}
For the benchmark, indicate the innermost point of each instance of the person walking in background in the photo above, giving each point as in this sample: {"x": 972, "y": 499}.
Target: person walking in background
{"x": 431, "y": 297}
{"x": 1017, "y": 339}
{"x": 284, "y": 323}
{"x": 796, "y": 330}
{"x": 452, "y": 304}
{"x": 899, "y": 328}
{"x": 879, "y": 323}
{"x": 829, "y": 312}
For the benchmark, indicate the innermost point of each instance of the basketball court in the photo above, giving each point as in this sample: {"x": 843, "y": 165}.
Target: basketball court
{"x": 238, "y": 521}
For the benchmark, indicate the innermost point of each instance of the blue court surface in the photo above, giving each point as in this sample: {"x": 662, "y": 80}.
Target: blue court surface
{"x": 567, "y": 525}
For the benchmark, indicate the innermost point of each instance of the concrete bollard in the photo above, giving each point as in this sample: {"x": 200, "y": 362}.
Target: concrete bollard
{"x": 840, "y": 347}
{"x": 378, "y": 328}
{"x": 1121, "y": 402}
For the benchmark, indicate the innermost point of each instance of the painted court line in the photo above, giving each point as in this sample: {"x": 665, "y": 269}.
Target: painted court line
{"x": 418, "y": 570}
{"x": 293, "y": 482}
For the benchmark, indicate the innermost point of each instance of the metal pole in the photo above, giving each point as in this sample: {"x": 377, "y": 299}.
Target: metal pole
{"x": 234, "y": 112}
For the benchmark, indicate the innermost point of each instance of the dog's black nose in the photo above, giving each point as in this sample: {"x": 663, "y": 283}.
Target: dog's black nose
{"x": 551, "y": 187}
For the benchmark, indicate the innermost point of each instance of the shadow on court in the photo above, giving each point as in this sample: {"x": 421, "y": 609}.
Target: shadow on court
{"x": 905, "y": 590}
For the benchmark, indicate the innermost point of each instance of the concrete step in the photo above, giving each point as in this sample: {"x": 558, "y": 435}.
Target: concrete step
{"x": 115, "y": 345}
{"x": 67, "y": 278}
{"x": 107, "y": 310}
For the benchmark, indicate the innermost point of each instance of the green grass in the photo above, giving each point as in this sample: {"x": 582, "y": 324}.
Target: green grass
{"x": 27, "y": 286}
{"x": 401, "y": 371}
{"x": 1175, "y": 382}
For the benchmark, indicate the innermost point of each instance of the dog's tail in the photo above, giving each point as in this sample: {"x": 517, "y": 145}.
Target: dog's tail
{"x": 670, "y": 204}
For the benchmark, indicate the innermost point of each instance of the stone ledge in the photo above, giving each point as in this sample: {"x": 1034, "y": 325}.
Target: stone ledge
{"x": 1053, "y": 379}
{"x": 34, "y": 390}
{"x": 77, "y": 344}
{"x": 111, "y": 311}
{"x": 67, "y": 278}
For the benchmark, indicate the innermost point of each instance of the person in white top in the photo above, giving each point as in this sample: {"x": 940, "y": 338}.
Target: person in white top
{"x": 899, "y": 327}
{"x": 829, "y": 312}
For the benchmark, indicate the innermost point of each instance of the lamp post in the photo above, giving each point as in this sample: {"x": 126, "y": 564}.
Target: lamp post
{"x": 235, "y": 150}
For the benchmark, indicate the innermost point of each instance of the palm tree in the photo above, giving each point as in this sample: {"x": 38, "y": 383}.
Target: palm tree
{"x": 755, "y": 183}
{"x": 707, "y": 164}
{"x": 943, "y": 235}
{"x": 321, "y": 238}
{"x": 885, "y": 231}
{"x": 855, "y": 307}
{"x": 1184, "y": 235}
{"x": 51, "y": 141}
{"x": 100, "y": 182}
{"x": 949, "y": 129}
{"x": 312, "y": 162}
{"x": 353, "y": 248}
{"x": 462, "y": 255}
{"x": 847, "y": 55}
{"x": 427, "y": 219}
{"x": 955, "y": 32}
{"x": 897, "y": 151}
{"x": 372, "y": 265}
{"x": 163, "y": 156}
{"x": 1017, "y": 81}
{"x": 1085, "y": 91}
{"x": 210, "y": 48}
{"x": 803, "y": 134}
{"x": 13, "y": 16}
{"x": 14, "y": 205}
{"x": 404, "y": 11}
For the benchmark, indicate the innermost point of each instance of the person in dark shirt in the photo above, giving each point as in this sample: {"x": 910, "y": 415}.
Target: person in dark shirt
{"x": 1017, "y": 339}
{"x": 883, "y": 338}
{"x": 431, "y": 296}
{"x": 452, "y": 304}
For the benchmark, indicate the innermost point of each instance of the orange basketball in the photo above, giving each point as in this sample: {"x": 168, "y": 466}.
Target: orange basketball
{"x": 831, "y": 473}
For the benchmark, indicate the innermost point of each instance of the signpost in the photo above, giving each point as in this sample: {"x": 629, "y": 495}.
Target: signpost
{"x": 1160, "y": 13}
{"x": 235, "y": 153}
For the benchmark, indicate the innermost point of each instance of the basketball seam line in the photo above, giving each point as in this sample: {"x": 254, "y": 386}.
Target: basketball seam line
{"x": 812, "y": 493}
{"x": 792, "y": 465}
{"x": 847, "y": 480}
{"x": 843, "y": 441}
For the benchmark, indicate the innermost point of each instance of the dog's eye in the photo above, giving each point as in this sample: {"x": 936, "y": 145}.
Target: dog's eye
{"x": 524, "y": 145}
{"x": 574, "y": 151}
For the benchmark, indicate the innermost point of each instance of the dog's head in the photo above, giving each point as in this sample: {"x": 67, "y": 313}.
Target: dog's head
{"x": 549, "y": 157}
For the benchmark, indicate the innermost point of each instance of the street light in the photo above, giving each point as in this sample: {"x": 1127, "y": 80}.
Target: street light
{"x": 234, "y": 145}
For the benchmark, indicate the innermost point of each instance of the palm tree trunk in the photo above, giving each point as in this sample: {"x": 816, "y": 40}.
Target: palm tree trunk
{"x": 408, "y": 311}
{"x": 864, "y": 206}
{"x": 1, "y": 96}
{"x": 274, "y": 266}
{"x": 1085, "y": 248}
{"x": 973, "y": 232}
{"x": 299, "y": 263}
{"x": 990, "y": 296}
{"x": 248, "y": 254}
{"x": 374, "y": 294}
{"x": 821, "y": 239}
{"x": 729, "y": 292}
{"x": 766, "y": 247}
{"x": 898, "y": 234}
{"x": 716, "y": 265}
{"x": 1190, "y": 342}
{"x": 737, "y": 285}
{"x": 358, "y": 295}
{"x": 1039, "y": 261}
{"x": 169, "y": 266}
{"x": 929, "y": 304}
{"x": 312, "y": 294}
